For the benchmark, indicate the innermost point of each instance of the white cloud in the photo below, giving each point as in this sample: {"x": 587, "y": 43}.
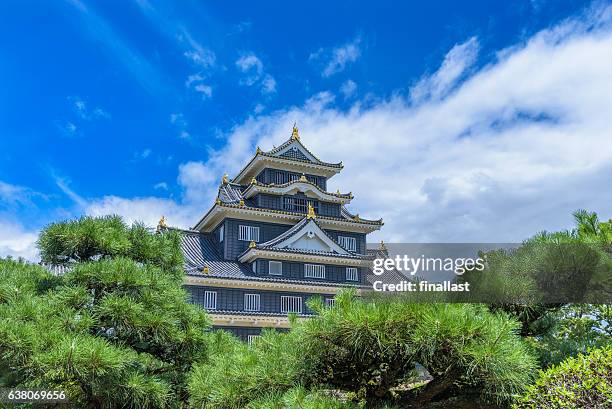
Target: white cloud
{"x": 348, "y": 88}
{"x": 80, "y": 107}
{"x": 254, "y": 74}
{"x": 498, "y": 154}
{"x": 161, "y": 186}
{"x": 455, "y": 64}
{"x": 16, "y": 241}
{"x": 337, "y": 59}
{"x": 205, "y": 90}
{"x": 178, "y": 120}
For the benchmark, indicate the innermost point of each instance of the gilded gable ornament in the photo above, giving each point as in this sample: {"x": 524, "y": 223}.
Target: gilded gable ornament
{"x": 162, "y": 223}
{"x": 311, "y": 212}
{"x": 225, "y": 179}
{"x": 295, "y": 135}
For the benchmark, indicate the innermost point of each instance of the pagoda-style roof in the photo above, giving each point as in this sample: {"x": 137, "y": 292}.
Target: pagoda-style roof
{"x": 300, "y": 185}
{"x": 203, "y": 260}
{"x": 307, "y": 241}
{"x": 226, "y": 206}
{"x": 292, "y": 155}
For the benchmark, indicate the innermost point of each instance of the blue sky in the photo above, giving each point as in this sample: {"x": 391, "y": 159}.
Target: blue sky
{"x": 139, "y": 107}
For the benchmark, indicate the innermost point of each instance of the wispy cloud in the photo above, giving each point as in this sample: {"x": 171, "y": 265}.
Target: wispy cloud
{"x": 254, "y": 73}
{"x": 67, "y": 129}
{"x": 348, "y": 88}
{"x": 201, "y": 58}
{"x": 82, "y": 110}
{"x": 456, "y": 62}
{"x": 338, "y": 58}
{"x": 178, "y": 120}
{"x": 63, "y": 185}
{"x": 143, "y": 72}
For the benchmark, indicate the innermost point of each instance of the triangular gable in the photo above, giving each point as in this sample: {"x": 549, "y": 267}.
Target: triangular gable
{"x": 311, "y": 237}
{"x": 296, "y": 150}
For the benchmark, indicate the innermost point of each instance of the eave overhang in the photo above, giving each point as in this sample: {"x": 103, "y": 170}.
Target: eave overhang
{"x": 252, "y": 254}
{"x": 219, "y": 211}
{"x": 262, "y": 160}
{"x": 306, "y": 187}
{"x": 268, "y": 285}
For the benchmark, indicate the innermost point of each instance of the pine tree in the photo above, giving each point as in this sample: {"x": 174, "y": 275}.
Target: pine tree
{"x": 115, "y": 331}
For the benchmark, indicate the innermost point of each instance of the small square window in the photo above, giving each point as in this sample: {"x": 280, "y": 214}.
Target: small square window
{"x": 275, "y": 268}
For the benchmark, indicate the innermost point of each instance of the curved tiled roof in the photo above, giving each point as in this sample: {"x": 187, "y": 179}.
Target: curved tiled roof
{"x": 199, "y": 250}
{"x": 286, "y": 184}
{"x": 344, "y": 218}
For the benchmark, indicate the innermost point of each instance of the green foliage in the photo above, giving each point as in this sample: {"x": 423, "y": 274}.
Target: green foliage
{"x": 581, "y": 382}
{"x": 572, "y": 329}
{"x": 366, "y": 349}
{"x": 238, "y": 373}
{"x": 301, "y": 398}
{"x": 371, "y": 347}
{"x": 115, "y": 331}
{"x": 90, "y": 238}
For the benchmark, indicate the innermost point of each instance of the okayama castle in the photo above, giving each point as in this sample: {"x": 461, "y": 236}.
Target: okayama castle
{"x": 274, "y": 238}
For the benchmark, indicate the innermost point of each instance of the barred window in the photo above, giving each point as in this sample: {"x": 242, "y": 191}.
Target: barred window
{"x": 275, "y": 268}
{"x": 221, "y": 232}
{"x": 297, "y": 204}
{"x": 254, "y": 266}
{"x": 349, "y": 243}
{"x": 252, "y": 302}
{"x": 352, "y": 274}
{"x": 210, "y": 300}
{"x": 330, "y": 302}
{"x": 314, "y": 270}
{"x": 248, "y": 233}
{"x": 291, "y": 304}
{"x": 251, "y": 339}
{"x": 280, "y": 178}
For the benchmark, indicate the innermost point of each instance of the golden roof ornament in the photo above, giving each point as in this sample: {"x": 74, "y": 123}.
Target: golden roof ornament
{"x": 258, "y": 150}
{"x": 295, "y": 135}
{"x": 311, "y": 212}
{"x": 241, "y": 203}
{"x": 225, "y": 179}
{"x": 303, "y": 178}
{"x": 252, "y": 244}
{"x": 162, "y": 223}
{"x": 253, "y": 181}
{"x": 218, "y": 201}
{"x": 205, "y": 270}
{"x": 382, "y": 246}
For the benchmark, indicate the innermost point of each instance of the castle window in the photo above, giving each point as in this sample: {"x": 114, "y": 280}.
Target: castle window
{"x": 254, "y": 266}
{"x": 210, "y": 300}
{"x": 349, "y": 243}
{"x": 296, "y": 204}
{"x": 248, "y": 233}
{"x": 251, "y": 302}
{"x": 291, "y": 304}
{"x": 330, "y": 302}
{"x": 352, "y": 274}
{"x": 221, "y": 232}
{"x": 275, "y": 268}
{"x": 252, "y": 339}
{"x": 314, "y": 270}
